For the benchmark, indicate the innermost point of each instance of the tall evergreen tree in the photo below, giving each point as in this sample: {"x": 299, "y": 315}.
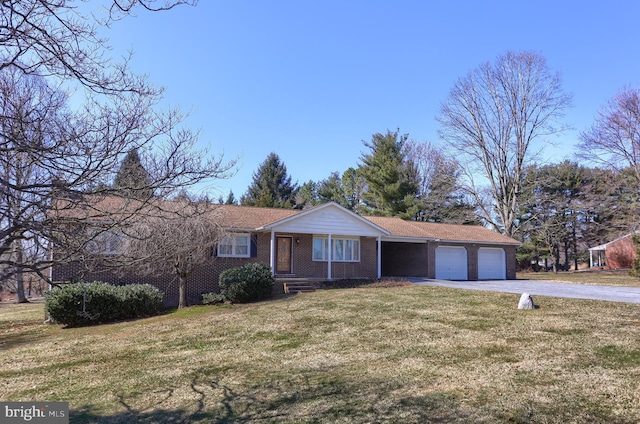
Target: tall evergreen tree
{"x": 231, "y": 199}
{"x": 271, "y": 186}
{"x": 307, "y": 194}
{"x": 132, "y": 178}
{"x": 392, "y": 181}
{"x": 331, "y": 189}
{"x": 553, "y": 212}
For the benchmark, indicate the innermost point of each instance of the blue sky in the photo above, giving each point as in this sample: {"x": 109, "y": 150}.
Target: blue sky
{"x": 310, "y": 80}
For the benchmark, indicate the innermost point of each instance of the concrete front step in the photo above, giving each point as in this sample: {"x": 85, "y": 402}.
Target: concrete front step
{"x": 298, "y": 287}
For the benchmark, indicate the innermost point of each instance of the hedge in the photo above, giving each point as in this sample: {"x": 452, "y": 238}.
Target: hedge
{"x": 97, "y": 302}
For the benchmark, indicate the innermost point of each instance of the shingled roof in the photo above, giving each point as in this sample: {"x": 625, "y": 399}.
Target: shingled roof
{"x": 251, "y": 217}
{"x": 435, "y": 231}
{"x": 248, "y": 218}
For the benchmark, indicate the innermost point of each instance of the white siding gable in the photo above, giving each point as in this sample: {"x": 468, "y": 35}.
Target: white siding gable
{"x": 330, "y": 219}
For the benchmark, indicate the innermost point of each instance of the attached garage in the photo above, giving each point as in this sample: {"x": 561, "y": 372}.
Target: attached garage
{"x": 444, "y": 251}
{"x": 491, "y": 263}
{"x": 451, "y": 263}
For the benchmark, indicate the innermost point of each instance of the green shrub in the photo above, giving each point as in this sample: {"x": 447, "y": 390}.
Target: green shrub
{"x": 88, "y": 303}
{"x": 212, "y": 298}
{"x": 247, "y": 283}
{"x": 140, "y": 300}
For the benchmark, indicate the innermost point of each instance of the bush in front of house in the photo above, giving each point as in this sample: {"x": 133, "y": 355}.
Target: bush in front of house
{"x": 140, "y": 300}
{"x": 80, "y": 304}
{"x": 247, "y": 283}
{"x": 212, "y": 298}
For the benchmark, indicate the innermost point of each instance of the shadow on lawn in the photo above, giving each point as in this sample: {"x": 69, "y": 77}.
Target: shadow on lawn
{"x": 328, "y": 400}
{"x": 336, "y": 401}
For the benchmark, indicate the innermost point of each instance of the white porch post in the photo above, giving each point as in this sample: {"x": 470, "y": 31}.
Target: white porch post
{"x": 329, "y": 257}
{"x": 590, "y": 258}
{"x": 379, "y": 257}
{"x": 272, "y": 253}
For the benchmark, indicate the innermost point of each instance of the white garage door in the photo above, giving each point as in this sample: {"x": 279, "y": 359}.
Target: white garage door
{"x": 491, "y": 264}
{"x": 451, "y": 263}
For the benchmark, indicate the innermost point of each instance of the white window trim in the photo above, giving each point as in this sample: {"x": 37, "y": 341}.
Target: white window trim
{"x": 334, "y": 242}
{"x": 234, "y": 254}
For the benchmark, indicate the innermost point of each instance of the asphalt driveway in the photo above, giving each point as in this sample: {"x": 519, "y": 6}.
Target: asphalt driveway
{"x": 542, "y": 288}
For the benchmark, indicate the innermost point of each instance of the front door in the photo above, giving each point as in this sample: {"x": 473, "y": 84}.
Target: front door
{"x": 283, "y": 255}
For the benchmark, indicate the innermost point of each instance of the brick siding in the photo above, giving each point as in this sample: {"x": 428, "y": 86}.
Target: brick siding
{"x": 620, "y": 253}
{"x": 204, "y": 279}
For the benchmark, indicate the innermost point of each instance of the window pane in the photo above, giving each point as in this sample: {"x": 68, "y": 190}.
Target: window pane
{"x": 348, "y": 250}
{"x": 318, "y": 249}
{"x": 356, "y": 250}
{"x": 225, "y": 247}
{"x": 338, "y": 250}
{"x": 242, "y": 245}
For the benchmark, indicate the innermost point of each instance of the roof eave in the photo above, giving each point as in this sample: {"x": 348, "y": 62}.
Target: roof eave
{"x": 405, "y": 239}
{"x": 500, "y": 243}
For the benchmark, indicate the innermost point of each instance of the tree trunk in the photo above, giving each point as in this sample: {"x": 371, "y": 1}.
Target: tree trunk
{"x": 182, "y": 293}
{"x": 20, "y": 288}
{"x": 19, "y": 275}
{"x": 575, "y": 250}
{"x": 546, "y": 264}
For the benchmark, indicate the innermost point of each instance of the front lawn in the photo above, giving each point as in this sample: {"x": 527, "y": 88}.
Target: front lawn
{"x": 398, "y": 355}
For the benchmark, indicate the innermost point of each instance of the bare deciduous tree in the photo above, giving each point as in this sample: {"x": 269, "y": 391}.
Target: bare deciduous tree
{"x": 442, "y": 198}
{"x": 56, "y": 38}
{"x": 614, "y": 138}
{"x": 490, "y": 120}
{"x": 174, "y": 243}
{"x": 55, "y": 160}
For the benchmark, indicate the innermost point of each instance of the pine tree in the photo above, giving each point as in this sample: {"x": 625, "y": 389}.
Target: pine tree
{"x": 132, "y": 180}
{"x": 231, "y": 199}
{"x": 271, "y": 186}
{"x": 392, "y": 181}
{"x": 307, "y": 195}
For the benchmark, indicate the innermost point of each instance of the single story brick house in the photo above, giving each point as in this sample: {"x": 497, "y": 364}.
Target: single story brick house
{"x": 616, "y": 254}
{"x": 329, "y": 242}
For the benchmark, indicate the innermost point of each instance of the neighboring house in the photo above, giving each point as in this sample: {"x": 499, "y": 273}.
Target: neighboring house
{"x": 329, "y": 242}
{"x": 616, "y": 254}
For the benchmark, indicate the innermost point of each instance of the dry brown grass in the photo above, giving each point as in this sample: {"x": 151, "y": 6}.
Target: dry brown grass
{"x": 401, "y": 354}
{"x": 595, "y": 277}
